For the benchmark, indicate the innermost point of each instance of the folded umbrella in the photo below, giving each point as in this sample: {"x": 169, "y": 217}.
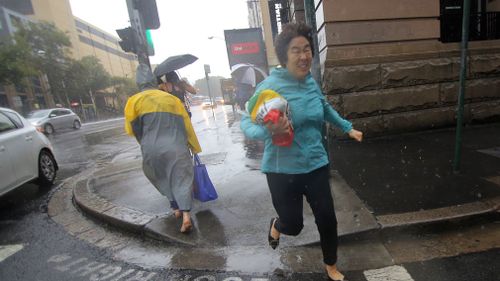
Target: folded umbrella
{"x": 173, "y": 63}
{"x": 247, "y": 73}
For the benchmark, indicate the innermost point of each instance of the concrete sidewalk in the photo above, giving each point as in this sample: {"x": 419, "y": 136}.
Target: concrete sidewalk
{"x": 119, "y": 194}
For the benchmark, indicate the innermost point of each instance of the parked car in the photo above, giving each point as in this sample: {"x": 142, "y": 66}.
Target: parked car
{"x": 50, "y": 120}
{"x": 207, "y": 104}
{"x": 25, "y": 153}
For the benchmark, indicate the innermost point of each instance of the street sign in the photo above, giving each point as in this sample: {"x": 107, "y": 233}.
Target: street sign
{"x": 207, "y": 68}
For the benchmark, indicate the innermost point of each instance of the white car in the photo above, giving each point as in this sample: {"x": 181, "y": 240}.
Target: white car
{"x": 208, "y": 104}
{"x": 50, "y": 120}
{"x": 25, "y": 153}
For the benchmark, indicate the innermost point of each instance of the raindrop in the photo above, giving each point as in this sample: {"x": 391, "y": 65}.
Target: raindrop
{"x": 479, "y": 195}
{"x": 403, "y": 161}
{"x": 387, "y": 186}
{"x": 364, "y": 183}
{"x": 437, "y": 176}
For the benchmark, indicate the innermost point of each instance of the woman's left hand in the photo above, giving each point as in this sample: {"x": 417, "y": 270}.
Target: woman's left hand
{"x": 355, "y": 134}
{"x": 282, "y": 127}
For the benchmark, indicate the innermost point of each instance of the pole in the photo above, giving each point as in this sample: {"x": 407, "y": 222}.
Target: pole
{"x": 210, "y": 95}
{"x": 461, "y": 91}
{"x": 309, "y": 10}
{"x": 137, "y": 24}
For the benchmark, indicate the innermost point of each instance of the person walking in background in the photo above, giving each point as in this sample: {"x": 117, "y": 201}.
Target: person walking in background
{"x": 161, "y": 125}
{"x": 177, "y": 87}
{"x": 243, "y": 93}
{"x": 302, "y": 168}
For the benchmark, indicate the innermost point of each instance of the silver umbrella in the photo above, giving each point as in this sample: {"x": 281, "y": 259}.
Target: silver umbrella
{"x": 247, "y": 73}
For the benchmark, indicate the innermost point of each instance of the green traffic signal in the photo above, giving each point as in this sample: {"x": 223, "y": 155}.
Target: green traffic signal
{"x": 149, "y": 40}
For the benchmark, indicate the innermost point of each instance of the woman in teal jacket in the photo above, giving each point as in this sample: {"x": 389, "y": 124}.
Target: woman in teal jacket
{"x": 302, "y": 168}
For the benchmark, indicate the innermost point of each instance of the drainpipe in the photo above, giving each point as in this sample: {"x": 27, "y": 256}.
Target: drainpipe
{"x": 310, "y": 14}
{"x": 461, "y": 91}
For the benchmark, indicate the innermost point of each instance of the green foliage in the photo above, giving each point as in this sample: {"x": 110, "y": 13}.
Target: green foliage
{"x": 85, "y": 76}
{"x": 13, "y": 64}
{"x": 48, "y": 54}
{"x": 124, "y": 86}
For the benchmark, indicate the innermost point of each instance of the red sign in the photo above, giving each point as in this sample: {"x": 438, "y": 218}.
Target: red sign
{"x": 245, "y": 48}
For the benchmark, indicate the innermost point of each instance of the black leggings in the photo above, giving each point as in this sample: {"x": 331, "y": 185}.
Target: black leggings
{"x": 286, "y": 193}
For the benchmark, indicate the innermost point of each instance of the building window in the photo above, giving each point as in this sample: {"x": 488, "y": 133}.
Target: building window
{"x": 483, "y": 25}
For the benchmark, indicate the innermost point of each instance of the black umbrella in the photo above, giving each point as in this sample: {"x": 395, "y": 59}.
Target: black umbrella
{"x": 173, "y": 63}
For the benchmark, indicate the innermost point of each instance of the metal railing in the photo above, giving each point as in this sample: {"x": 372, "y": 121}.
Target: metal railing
{"x": 483, "y": 26}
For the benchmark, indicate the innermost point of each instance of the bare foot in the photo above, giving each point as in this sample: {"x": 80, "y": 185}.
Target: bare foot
{"x": 275, "y": 233}
{"x": 177, "y": 214}
{"x": 334, "y": 273}
{"x": 187, "y": 226}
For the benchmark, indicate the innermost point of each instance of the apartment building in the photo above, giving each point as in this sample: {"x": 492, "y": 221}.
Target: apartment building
{"x": 86, "y": 40}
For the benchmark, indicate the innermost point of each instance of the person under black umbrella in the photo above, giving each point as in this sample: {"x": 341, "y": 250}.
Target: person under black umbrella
{"x": 177, "y": 87}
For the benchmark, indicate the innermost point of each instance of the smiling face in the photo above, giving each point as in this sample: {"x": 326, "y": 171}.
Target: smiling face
{"x": 299, "y": 57}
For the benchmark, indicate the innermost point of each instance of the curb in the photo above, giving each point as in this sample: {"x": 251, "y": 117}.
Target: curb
{"x": 154, "y": 227}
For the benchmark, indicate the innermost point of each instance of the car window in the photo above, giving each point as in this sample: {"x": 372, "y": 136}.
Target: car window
{"x": 38, "y": 114}
{"x": 6, "y": 124}
{"x": 15, "y": 118}
{"x": 64, "y": 112}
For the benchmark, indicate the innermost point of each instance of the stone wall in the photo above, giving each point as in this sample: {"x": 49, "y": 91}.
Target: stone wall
{"x": 402, "y": 96}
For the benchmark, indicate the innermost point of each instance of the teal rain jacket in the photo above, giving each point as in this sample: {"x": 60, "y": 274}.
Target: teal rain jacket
{"x": 309, "y": 110}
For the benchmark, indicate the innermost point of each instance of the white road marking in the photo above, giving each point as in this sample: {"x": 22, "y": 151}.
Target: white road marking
{"x": 390, "y": 273}
{"x": 8, "y": 250}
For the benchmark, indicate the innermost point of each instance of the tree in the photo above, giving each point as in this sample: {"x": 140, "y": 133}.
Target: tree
{"x": 215, "y": 89}
{"x": 14, "y": 66}
{"x": 85, "y": 77}
{"x": 49, "y": 53}
{"x": 124, "y": 86}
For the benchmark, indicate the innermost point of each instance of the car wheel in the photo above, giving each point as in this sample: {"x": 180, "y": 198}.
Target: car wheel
{"x": 46, "y": 169}
{"x": 77, "y": 125}
{"x": 48, "y": 129}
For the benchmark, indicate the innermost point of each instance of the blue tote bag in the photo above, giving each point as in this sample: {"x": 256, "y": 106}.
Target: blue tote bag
{"x": 204, "y": 190}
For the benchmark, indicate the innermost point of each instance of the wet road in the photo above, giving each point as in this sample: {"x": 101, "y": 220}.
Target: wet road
{"x": 34, "y": 247}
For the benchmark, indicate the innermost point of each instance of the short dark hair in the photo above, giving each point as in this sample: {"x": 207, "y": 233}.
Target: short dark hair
{"x": 288, "y": 33}
{"x": 172, "y": 77}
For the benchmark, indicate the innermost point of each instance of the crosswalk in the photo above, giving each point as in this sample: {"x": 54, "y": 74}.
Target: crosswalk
{"x": 8, "y": 250}
{"x": 390, "y": 273}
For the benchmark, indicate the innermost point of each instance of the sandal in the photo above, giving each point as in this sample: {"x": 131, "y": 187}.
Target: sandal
{"x": 272, "y": 242}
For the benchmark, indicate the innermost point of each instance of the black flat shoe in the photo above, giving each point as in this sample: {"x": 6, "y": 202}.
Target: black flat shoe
{"x": 272, "y": 242}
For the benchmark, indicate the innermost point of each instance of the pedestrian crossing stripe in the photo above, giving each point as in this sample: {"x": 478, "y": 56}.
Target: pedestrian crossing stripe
{"x": 8, "y": 250}
{"x": 390, "y": 273}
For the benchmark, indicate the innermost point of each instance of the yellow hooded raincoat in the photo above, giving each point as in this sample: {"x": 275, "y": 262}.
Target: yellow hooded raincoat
{"x": 162, "y": 127}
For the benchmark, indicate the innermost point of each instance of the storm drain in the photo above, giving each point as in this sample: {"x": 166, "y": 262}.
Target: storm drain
{"x": 213, "y": 158}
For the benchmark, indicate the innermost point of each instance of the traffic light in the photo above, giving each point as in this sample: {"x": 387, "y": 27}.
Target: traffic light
{"x": 149, "y": 41}
{"x": 129, "y": 40}
{"x": 149, "y": 13}
{"x": 137, "y": 39}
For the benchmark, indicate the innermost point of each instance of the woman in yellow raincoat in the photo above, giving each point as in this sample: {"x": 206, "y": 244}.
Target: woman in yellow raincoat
{"x": 161, "y": 125}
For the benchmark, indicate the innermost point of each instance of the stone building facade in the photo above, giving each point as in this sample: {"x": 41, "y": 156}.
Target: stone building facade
{"x": 388, "y": 67}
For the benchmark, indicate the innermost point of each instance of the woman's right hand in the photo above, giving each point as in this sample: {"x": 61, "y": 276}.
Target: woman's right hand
{"x": 282, "y": 127}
